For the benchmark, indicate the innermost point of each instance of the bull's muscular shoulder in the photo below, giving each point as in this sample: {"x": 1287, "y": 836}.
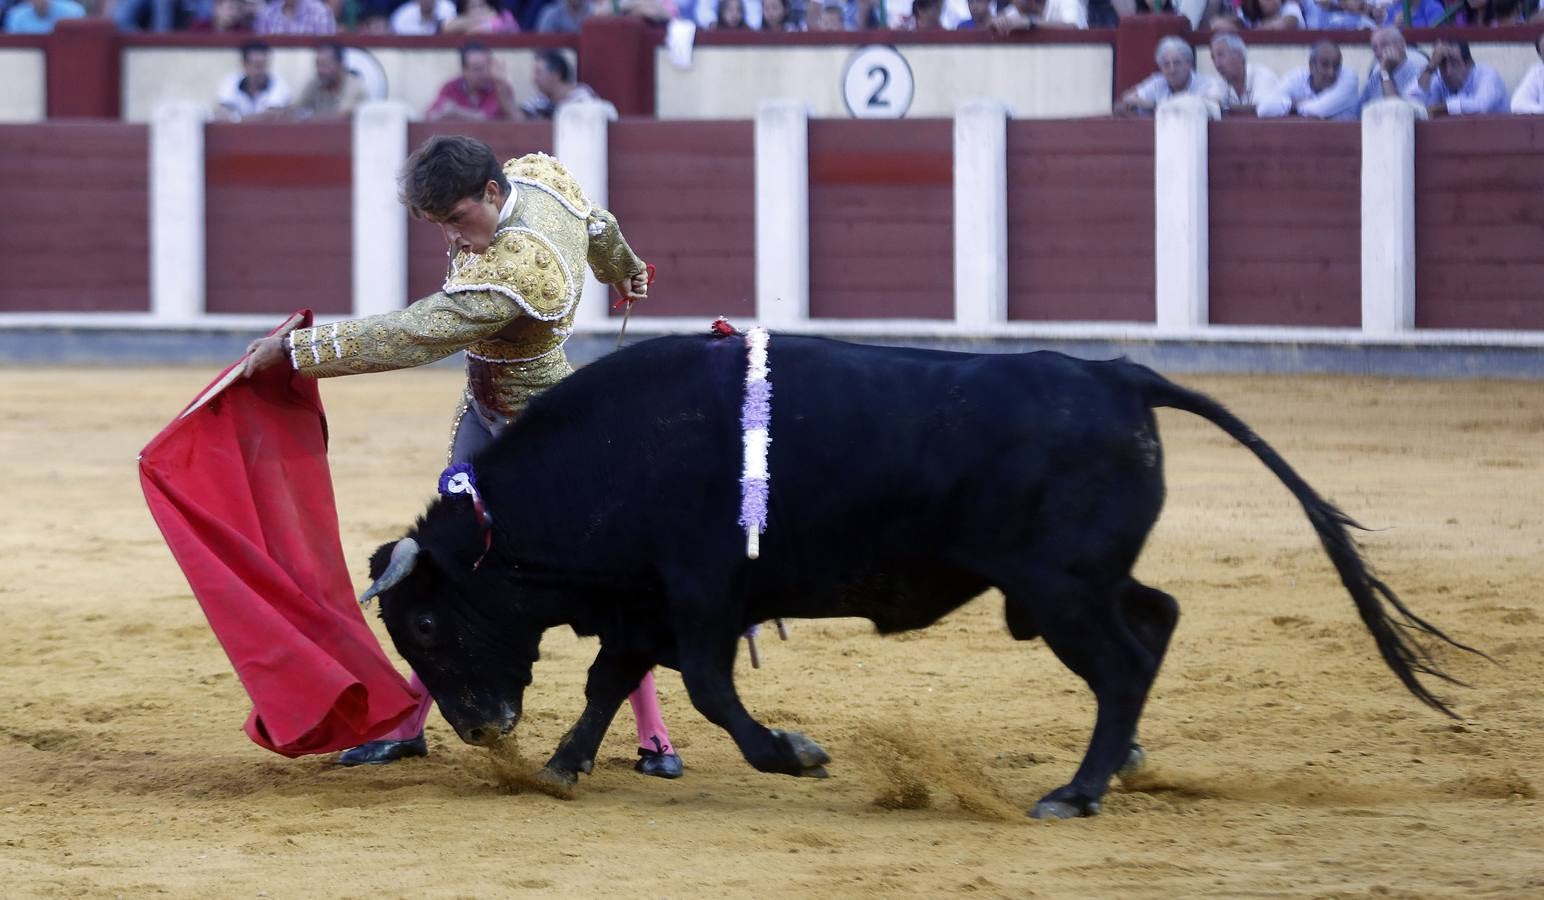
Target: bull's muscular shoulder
{"x": 541, "y": 171}
{"x": 523, "y": 266}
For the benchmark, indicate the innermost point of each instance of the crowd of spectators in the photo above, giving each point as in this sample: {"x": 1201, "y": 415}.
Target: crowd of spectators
{"x": 1447, "y": 83}
{"x": 421, "y": 17}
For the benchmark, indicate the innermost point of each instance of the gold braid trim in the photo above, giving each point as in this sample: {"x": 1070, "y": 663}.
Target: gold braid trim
{"x": 428, "y": 330}
{"x": 542, "y": 171}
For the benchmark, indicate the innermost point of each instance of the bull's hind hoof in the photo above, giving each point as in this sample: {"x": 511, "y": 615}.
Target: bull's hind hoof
{"x": 1136, "y": 761}
{"x": 812, "y": 759}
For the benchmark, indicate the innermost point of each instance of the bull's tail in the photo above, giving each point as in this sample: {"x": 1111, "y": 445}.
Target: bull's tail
{"x": 1394, "y": 627}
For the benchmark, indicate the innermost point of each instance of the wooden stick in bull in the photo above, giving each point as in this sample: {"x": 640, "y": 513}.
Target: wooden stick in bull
{"x": 755, "y": 478}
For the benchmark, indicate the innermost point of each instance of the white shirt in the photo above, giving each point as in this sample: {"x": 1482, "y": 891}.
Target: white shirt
{"x": 1154, "y": 89}
{"x": 1260, "y": 84}
{"x": 1529, "y": 97}
{"x": 1338, "y": 101}
{"x": 275, "y": 96}
{"x": 409, "y": 18}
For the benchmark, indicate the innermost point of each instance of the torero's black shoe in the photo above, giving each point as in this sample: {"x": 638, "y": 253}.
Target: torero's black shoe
{"x": 379, "y": 753}
{"x": 657, "y": 763}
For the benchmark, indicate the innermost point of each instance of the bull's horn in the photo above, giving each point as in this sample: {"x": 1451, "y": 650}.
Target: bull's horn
{"x": 403, "y": 557}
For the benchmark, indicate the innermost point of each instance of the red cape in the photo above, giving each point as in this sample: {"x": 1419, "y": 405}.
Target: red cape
{"x": 240, "y": 488}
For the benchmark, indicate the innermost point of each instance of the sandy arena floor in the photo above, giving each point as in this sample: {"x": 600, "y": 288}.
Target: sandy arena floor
{"x": 1286, "y": 759}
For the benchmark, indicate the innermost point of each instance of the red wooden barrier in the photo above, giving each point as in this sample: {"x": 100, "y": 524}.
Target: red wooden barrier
{"x": 685, "y": 193}
{"x": 279, "y": 211}
{"x": 881, "y": 219}
{"x": 75, "y": 232}
{"x": 1080, "y": 220}
{"x": 1479, "y": 223}
{"x": 426, "y": 261}
{"x": 1286, "y": 223}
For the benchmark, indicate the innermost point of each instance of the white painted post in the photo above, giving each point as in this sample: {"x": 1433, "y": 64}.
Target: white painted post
{"x": 980, "y": 215}
{"x": 782, "y": 212}
{"x": 1388, "y": 216}
{"x": 1181, "y": 251}
{"x": 579, "y": 142}
{"x": 177, "y": 283}
{"x": 380, "y": 223}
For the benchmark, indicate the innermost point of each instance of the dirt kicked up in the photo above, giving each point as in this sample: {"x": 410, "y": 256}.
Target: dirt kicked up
{"x": 1285, "y": 759}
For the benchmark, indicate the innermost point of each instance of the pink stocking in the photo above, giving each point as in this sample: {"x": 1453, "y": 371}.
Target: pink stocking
{"x": 651, "y": 725}
{"x": 413, "y": 725}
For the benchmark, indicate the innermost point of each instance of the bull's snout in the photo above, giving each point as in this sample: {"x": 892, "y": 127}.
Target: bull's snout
{"x": 489, "y": 733}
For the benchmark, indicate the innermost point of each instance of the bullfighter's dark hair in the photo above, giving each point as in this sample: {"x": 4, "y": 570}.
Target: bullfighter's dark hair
{"x": 447, "y": 169}
{"x": 557, "y": 64}
{"x": 471, "y": 47}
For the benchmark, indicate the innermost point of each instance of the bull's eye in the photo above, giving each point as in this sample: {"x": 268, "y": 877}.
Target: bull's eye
{"x": 424, "y": 627}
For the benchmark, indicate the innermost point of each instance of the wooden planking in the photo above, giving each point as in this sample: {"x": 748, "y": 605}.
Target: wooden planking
{"x": 426, "y": 261}
{"x": 881, "y": 218}
{"x": 685, "y": 195}
{"x": 279, "y": 212}
{"x": 1479, "y": 223}
{"x": 1285, "y": 223}
{"x": 1080, "y": 220}
{"x": 76, "y": 230}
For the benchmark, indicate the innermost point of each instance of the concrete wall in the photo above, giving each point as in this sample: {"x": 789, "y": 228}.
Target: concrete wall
{"x": 23, "y": 97}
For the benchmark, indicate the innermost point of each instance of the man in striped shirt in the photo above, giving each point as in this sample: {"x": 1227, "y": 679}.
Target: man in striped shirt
{"x": 295, "y": 17}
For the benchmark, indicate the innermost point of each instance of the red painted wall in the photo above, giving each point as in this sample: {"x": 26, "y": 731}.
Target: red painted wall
{"x": 1479, "y": 223}
{"x": 881, "y": 218}
{"x": 1080, "y": 220}
{"x": 426, "y": 261}
{"x": 1286, "y": 222}
{"x": 74, "y": 236}
{"x": 279, "y": 211}
{"x": 684, "y": 193}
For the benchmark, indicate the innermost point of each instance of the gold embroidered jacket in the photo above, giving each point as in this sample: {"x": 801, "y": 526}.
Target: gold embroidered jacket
{"x": 511, "y": 308}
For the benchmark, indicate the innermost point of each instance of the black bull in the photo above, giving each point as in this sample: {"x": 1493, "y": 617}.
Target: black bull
{"x": 903, "y": 484}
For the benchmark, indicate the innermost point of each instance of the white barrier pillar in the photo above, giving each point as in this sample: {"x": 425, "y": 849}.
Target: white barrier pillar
{"x": 782, "y": 212}
{"x": 380, "y": 223}
{"x": 579, "y": 142}
{"x": 1388, "y": 216}
{"x": 1180, "y": 249}
{"x": 980, "y": 215}
{"x": 177, "y": 283}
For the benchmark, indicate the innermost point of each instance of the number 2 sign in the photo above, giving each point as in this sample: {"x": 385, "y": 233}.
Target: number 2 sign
{"x": 877, "y": 83}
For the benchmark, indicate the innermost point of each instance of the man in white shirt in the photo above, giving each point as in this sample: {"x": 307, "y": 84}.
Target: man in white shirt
{"x": 1529, "y": 97}
{"x": 1021, "y": 15}
{"x": 422, "y": 17}
{"x": 1247, "y": 83}
{"x": 1176, "y": 75}
{"x": 252, "y": 93}
{"x": 1395, "y": 72}
{"x": 1324, "y": 90}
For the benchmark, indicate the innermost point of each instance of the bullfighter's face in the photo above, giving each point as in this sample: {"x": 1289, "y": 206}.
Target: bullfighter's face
{"x": 475, "y": 665}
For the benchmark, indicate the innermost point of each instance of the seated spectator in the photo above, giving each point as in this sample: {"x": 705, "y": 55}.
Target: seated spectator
{"x": 1247, "y": 83}
{"x": 861, "y": 15}
{"x": 981, "y": 12}
{"x": 731, "y": 16}
{"x": 555, "y": 86}
{"x": 295, "y": 17}
{"x": 1490, "y": 13}
{"x": 1176, "y": 75}
{"x": 775, "y": 16}
{"x": 706, "y": 13}
{"x": 1272, "y": 15}
{"x": 253, "y": 93}
{"x": 1462, "y": 87}
{"x": 334, "y": 92}
{"x": 481, "y": 17}
{"x": 1423, "y": 13}
{"x": 1395, "y": 71}
{"x": 1324, "y": 90}
{"x": 223, "y": 17}
{"x": 927, "y": 15}
{"x": 1197, "y": 11}
{"x": 830, "y": 16}
{"x": 1529, "y": 97}
{"x": 562, "y": 16}
{"x": 39, "y": 16}
{"x": 479, "y": 94}
{"x": 422, "y": 17}
{"x": 1332, "y": 15}
{"x": 1022, "y": 14}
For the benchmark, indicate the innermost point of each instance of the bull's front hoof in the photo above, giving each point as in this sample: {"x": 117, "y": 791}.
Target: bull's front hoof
{"x": 554, "y": 782}
{"x": 1064, "y": 803}
{"x": 1135, "y": 763}
{"x": 812, "y": 758}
